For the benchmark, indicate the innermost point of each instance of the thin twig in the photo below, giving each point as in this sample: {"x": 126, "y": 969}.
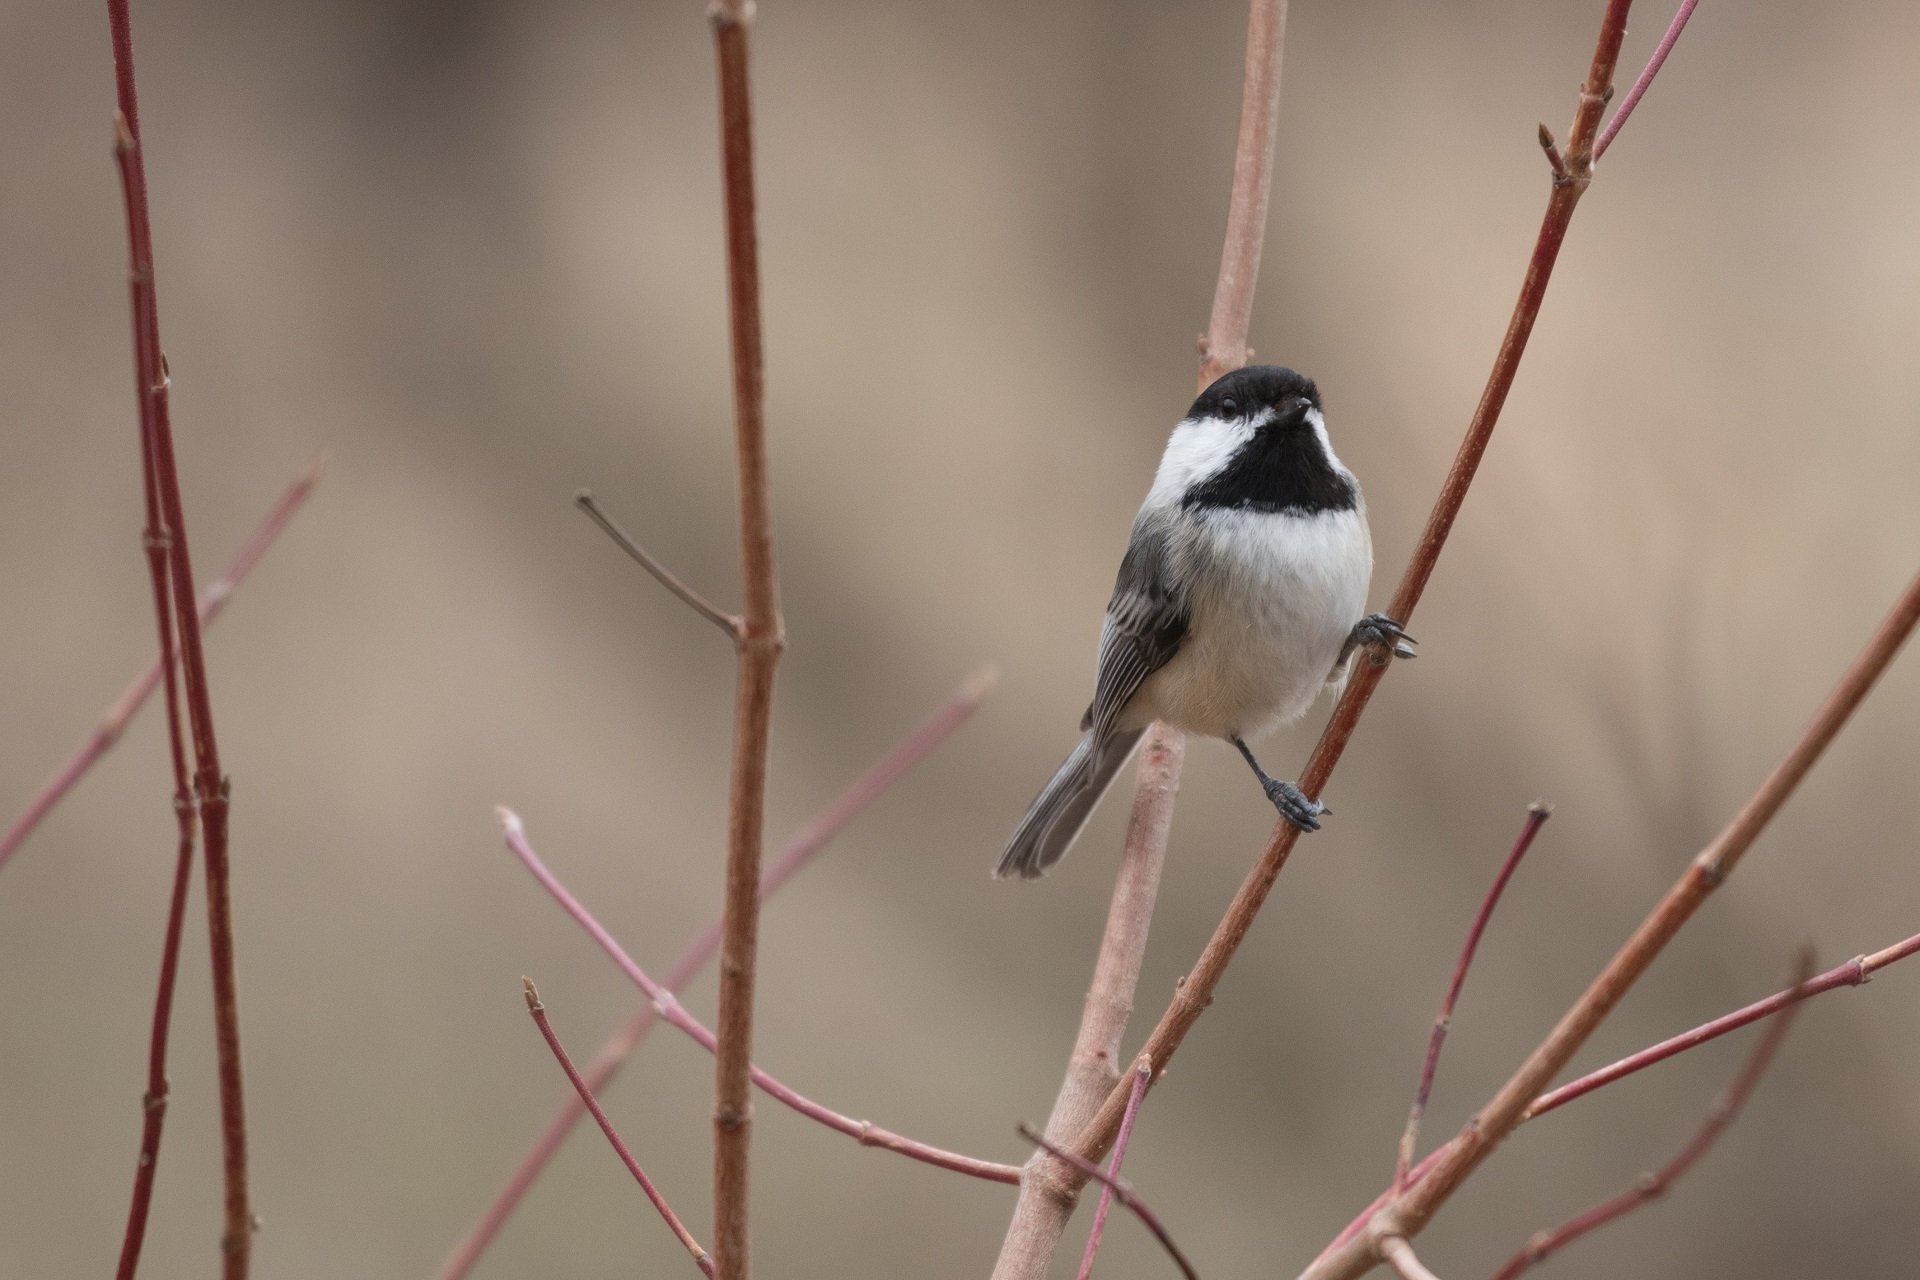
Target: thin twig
{"x": 209, "y": 781}
{"x": 1647, "y": 74}
{"x": 1121, "y": 1191}
{"x": 762, "y": 635}
{"x": 580, "y": 1086}
{"x": 1853, "y": 973}
{"x": 727, "y": 622}
{"x": 1196, "y": 992}
{"x": 213, "y": 600}
{"x": 799, "y": 850}
{"x": 1405, "y": 1214}
{"x": 1537, "y": 815}
{"x": 1404, "y": 1261}
{"x": 1047, "y": 1194}
{"x": 1142, "y": 1076}
{"x": 674, "y": 1013}
{"x": 1652, "y": 1186}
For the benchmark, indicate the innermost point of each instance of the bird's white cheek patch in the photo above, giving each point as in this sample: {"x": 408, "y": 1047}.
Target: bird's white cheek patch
{"x": 1197, "y": 449}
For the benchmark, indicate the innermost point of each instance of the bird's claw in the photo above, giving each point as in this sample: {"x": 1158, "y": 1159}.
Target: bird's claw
{"x": 1382, "y": 638}
{"x": 1294, "y": 806}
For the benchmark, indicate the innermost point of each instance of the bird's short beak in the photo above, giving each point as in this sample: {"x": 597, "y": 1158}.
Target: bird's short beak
{"x": 1292, "y": 413}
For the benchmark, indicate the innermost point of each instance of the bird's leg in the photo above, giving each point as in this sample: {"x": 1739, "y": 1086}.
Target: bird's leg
{"x": 1290, "y": 800}
{"x": 1380, "y": 636}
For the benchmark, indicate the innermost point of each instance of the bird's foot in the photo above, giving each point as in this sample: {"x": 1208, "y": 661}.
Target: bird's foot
{"x": 1382, "y": 638}
{"x": 1294, "y": 806}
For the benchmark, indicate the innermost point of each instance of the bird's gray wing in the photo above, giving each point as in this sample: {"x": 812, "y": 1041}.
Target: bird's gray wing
{"x": 1146, "y": 621}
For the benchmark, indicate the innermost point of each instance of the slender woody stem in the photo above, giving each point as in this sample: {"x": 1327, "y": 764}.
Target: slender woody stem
{"x": 1405, "y": 1214}
{"x": 666, "y": 577}
{"x": 808, "y": 841}
{"x": 761, "y": 638}
{"x": 213, "y": 600}
{"x": 1048, "y": 1192}
{"x": 1142, "y": 1076}
{"x": 1405, "y": 1262}
{"x": 1196, "y": 993}
{"x": 674, "y": 1013}
{"x": 587, "y": 1100}
{"x": 209, "y": 782}
{"x": 1122, "y": 1192}
{"x": 1652, "y": 1186}
{"x": 1537, "y": 815}
{"x": 1647, "y": 74}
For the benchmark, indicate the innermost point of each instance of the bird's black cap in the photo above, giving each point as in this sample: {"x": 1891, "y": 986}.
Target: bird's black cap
{"x": 1255, "y": 387}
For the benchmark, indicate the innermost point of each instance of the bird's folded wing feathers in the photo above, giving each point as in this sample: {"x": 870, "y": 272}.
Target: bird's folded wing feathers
{"x": 1146, "y": 621}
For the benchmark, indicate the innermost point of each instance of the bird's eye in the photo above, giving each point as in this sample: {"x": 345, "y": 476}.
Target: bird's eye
{"x": 1230, "y": 406}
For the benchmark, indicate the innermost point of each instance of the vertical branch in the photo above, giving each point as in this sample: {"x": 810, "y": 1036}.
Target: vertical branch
{"x": 1048, "y": 1190}
{"x": 761, "y": 638}
{"x": 1570, "y": 181}
{"x": 162, "y": 480}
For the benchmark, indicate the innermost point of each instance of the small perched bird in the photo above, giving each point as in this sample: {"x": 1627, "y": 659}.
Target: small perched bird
{"x": 1238, "y": 600}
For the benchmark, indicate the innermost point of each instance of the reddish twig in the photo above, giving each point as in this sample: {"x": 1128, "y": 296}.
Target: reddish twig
{"x": 1121, "y": 1191}
{"x": 587, "y": 1100}
{"x": 113, "y": 724}
{"x": 1047, "y": 1194}
{"x": 1851, "y": 974}
{"x": 672, "y": 1012}
{"x": 1405, "y": 1214}
{"x": 1652, "y": 1186}
{"x": 1647, "y": 74}
{"x": 1405, "y": 1262}
{"x": 606, "y": 1061}
{"x": 1196, "y": 992}
{"x": 1142, "y": 1074}
{"x": 762, "y": 634}
{"x": 1537, "y": 815}
{"x": 209, "y": 781}
{"x": 732, "y": 625}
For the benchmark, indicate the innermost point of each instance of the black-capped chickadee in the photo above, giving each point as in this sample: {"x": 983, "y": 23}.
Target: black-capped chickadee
{"x": 1239, "y": 599}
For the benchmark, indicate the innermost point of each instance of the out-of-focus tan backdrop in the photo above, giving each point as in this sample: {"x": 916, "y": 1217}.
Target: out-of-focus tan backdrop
{"x": 473, "y": 252}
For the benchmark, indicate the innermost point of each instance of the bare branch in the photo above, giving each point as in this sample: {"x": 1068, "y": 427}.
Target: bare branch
{"x": 1647, "y": 74}
{"x": 672, "y": 1012}
{"x": 1196, "y": 992}
{"x": 539, "y": 1012}
{"x": 1121, "y": 1191}
{"x": 666, "y": 577}
{"x": 1652, "y": 1186}
{"x": 1406, "y": 1214}
{"x": 161, "y": 477}
{"x": 1537, "y": 815}
{"x": 762, "y": 635}
{"x": 1404, "y": 1261}
{"x": 1142, "y": 1077}
{"x": 1040, "y": 1215}
{"x": 213, "y": 601}
{"x": 799, "y": 850}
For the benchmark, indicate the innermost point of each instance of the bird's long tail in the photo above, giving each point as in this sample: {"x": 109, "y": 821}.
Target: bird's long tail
{"x": 1063, "y": 806}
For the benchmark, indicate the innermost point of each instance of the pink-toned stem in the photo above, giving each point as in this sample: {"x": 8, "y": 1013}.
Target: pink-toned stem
{"x": 810, "y": 840}
{"x": 1091, "y": 1081}
{"x": 587, "y": 1100}
{"x": 1405, "y": 1262}
{"x": 1142, "y": 1076}
{"x": 113, "y": 724}
{"x": 1853, "y": 973}
{"x": 1537, "y": 815}
{"x": 1647, "y": 74}
{"x": 1121, "y": 1191}
{"x": 1652, "y": 1186}
{"x": 210, "y": 786}
{"x": 671, "y": 1011}
{"x": 1195, "y": 994}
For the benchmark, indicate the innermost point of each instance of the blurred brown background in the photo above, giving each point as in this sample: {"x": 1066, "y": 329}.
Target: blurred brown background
{"x": 473, "y": 251}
